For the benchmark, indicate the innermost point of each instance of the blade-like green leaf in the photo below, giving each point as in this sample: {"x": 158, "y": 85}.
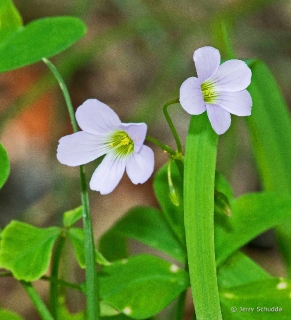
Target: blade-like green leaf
{"x": 4, "y": 165}
{"x": 141, "y": 286}
{"x": 148, "y": 226}
{"x": 10, "y": 19}
{"x": 41, "y": 38}
{"x": 9, "y": 315}
{"x": 26, "y": 250}
{"x": 267, "y": 299}
{"x": 256, "y": 211}
{"x": 270, "y": 131}
{"x": 72, "y": 216}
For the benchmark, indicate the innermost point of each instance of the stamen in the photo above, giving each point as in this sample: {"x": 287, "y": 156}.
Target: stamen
{"x": 209, "y": 93}
{"x": 122, "y": 143}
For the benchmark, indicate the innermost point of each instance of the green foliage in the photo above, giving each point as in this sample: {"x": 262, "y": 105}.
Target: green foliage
{"x": 76, "y": 235}
{"x": 142, "y": 285}
{"x": 72, "y": 216}
{"x": 256, "y": 211}
{"x": 26, "y": 250}
{"x": 239, "y": 270}
{"x": 4, "y": 165}
{"x": 173, "y": 213}
{"x": 270, "y": 131}
{"x": 41, "y": 38}
{"x": 10, "y": 19}
{"x": 271, "y": 293}
{"x": 148, "y": 226}
{"x": 9, "y": 315}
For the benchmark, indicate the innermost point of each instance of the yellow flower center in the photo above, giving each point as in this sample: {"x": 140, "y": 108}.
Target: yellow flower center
{"x": 121, "y": 142}
{"x": 208, "y": 92}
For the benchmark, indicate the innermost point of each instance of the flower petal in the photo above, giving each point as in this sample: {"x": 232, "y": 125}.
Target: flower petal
{"x": 191, "y": 97}
{"x": 232, "y": 75}
{"x": 108, "y": 174}
{"x": 238, "y": 103}
{"x": 137, "y": 132}
{"x": 95, "y": 117}
{"x": 207, "y": 61}
{"x": 80, "y": 148}
{"x": 140, "y": 166}
{"x": 219, "y": 118}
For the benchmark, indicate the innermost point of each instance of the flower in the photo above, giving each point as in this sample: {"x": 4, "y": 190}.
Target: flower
{"x": 104, "y": 134}
{"x": 219, "y": 89}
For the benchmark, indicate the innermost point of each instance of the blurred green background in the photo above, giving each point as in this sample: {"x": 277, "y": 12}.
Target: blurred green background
{"x": 134, "y": 58}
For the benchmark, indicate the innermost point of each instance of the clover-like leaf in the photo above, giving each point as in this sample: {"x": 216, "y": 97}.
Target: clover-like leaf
{"x": 42, "y": 38}
{"x": 141, "y": 286}
{"x": 148, "y": 226}
{"x": 76, "y": 235}
{"x": 267, "y": 299}
{"x": 256, "y": 211}
{"x": 26, "y": 250}
{"x": 4, "y": 165}
{"x": 72, "y": 216}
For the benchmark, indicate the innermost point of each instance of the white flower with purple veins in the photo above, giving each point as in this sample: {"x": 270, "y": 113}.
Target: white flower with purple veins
{"x": 104, "y": 133}
{"x": 219, "y": 89}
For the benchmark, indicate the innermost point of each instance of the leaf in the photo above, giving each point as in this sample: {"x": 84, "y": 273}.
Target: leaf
{"x": 270, "y": 299}
{"x": 4, "y": 165}
{"x": 148, "y": 226}
{"x": 239, "y": 269}
{"x": 107, "y": 311}
{"x": 72, "y": 216}
{"x": 10, "y": 19}
{"x": 42, "y": 38}
{"x": 26, "y": 250}
{"x": 256, "y": 211}
{"x": 76, "y": 235}
{"x": 174, "y": 214}
{"x": 141, "y": 286}
{"x": 9, "y": 315}
{"x": 270, "y": 131}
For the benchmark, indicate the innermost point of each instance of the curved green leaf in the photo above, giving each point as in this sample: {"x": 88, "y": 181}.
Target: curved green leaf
{"x": 26, "y": 250}
{"x": 41, "y": 38}
{"x": 4, "y": 165}
{"x": 141, "y": 286}
{"x": 148, "y": 226}
{"x": 256, "y": 211}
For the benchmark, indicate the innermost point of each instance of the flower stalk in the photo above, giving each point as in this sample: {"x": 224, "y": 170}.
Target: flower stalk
{"x": 171, "y": 124}
{"x": 92, "y": 292}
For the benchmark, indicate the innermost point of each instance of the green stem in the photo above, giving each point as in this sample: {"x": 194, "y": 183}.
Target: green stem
{"x": 161, "y": 145}
{"x": 37, "y": 301}
{"x": 61, "y": 282}
{"x": 171, "y": 124}
{"x": 54, "y": 286}
{"x": 92, "y": 289}
{"x": 200, "y": 161}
